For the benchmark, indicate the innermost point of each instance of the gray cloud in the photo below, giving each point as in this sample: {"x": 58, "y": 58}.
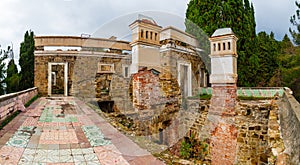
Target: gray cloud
{"x": 70, "y": 17}
{"x": 274, "y": 15}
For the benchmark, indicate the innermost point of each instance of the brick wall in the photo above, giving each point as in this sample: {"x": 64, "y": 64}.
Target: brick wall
{"x": 150, "y": 89}
{"x": 146, "y": 89}
{"x": 221, "y": 115}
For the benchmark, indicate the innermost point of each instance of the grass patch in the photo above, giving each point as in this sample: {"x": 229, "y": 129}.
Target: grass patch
{"x": 202, "y": 97}
{"x": 8, "y": 119}
{"x": 205, "y": 97}
{"x": 31, "y": 101}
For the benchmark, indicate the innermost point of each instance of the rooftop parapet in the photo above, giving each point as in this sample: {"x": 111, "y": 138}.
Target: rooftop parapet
{"x": 176, "y": 34}
{"x": 73, "y": 41}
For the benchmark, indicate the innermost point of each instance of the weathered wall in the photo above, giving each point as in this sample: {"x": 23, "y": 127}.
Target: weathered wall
{"x": 290, "y": 126}
{"x": 119, "y": 85}
{"x": 199, "y": 109}
{"x": 151, "y": 89}
{"x": 83, "y": 79}
{"x": 223, "y": 131}
{"x": 85, "y": 70}
{"x": 146, "y": 89}
{"x": 259, "y": 140}
{"x": 10, "y": 103}
{"x": 82, "y": 70}
{"x": 41, "y": 71}
{"x": 89, "y": 84}
{"x": 120, "y": 92}
{"x": 169, "y": 62}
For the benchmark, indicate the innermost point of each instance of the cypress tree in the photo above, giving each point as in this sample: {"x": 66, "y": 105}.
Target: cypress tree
{"x": 12, "y": 76}
{"x": 27, "y": 61}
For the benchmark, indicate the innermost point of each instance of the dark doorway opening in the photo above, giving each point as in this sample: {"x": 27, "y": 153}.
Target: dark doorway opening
{"x": 106, "y": 106}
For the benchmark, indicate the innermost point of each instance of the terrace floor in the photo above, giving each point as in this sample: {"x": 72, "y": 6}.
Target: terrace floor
{"x": 63, "y": 130}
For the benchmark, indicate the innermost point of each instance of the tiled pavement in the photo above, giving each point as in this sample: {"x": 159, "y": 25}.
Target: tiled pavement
{"x": 66, "y": 131}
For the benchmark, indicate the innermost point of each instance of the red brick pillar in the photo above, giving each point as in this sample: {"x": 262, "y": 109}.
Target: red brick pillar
{"x": 221, "y": 114}
{"x": 223, "y": 130}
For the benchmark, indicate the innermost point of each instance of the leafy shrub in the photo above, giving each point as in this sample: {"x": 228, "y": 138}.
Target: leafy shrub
{"x": 193, "y": 148}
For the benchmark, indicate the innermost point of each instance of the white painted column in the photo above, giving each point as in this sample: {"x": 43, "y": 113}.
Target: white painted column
{"x": 49, "y": 78}
{"x": 189, "y": 75}
{"x": 66, "y": 79}
{"x": 189, "y": 79}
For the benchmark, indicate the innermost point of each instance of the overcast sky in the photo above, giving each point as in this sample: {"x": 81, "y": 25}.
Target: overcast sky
{"x": 104, "y": 17}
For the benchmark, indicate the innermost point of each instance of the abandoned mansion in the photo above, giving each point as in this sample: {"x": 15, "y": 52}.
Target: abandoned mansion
{"x": 106, "y": 68}
{"x": 155, "y": 81}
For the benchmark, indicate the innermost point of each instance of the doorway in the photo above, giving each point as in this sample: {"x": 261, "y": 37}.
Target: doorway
{"x": 57, "y": 79}
{"x": 185, "y": 78}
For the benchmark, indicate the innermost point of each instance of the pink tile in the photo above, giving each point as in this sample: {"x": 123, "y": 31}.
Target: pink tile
{"x": 6, "y": 150}
{"x": 58, "y": 137}
{"x": 30, "y": 121}
{"x": 11, "y": 162}
{"x": 40, "y": 124}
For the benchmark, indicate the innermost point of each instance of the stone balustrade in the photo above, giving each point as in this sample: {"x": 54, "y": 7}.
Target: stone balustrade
{"x": 13, "y": 102}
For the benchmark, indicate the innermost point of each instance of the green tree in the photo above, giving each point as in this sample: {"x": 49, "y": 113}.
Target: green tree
{"x": 291, "y": 74}
{"x": 12, "y": 76}
{"x": 267, "y": 51}
{"x": 27, "y": 61}
{"x": 288, "y": 72}
{"x": 257, "y": 53}
{"x": 295, "y": 22}
{"x": 3, "y": 56}
{"x": 236, "y": 14}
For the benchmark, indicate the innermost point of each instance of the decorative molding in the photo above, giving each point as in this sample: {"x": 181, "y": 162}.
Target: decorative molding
{"x": 106, "y": 68}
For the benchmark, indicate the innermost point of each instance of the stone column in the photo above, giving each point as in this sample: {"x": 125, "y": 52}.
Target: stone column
{"x": 221, "y": 114}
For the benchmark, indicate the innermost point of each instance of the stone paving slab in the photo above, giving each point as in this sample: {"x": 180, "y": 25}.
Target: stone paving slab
{"x": 65, "y": 131}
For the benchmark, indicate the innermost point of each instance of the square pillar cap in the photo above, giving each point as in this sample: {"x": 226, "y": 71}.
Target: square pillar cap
{"x": 223, "y": 32}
